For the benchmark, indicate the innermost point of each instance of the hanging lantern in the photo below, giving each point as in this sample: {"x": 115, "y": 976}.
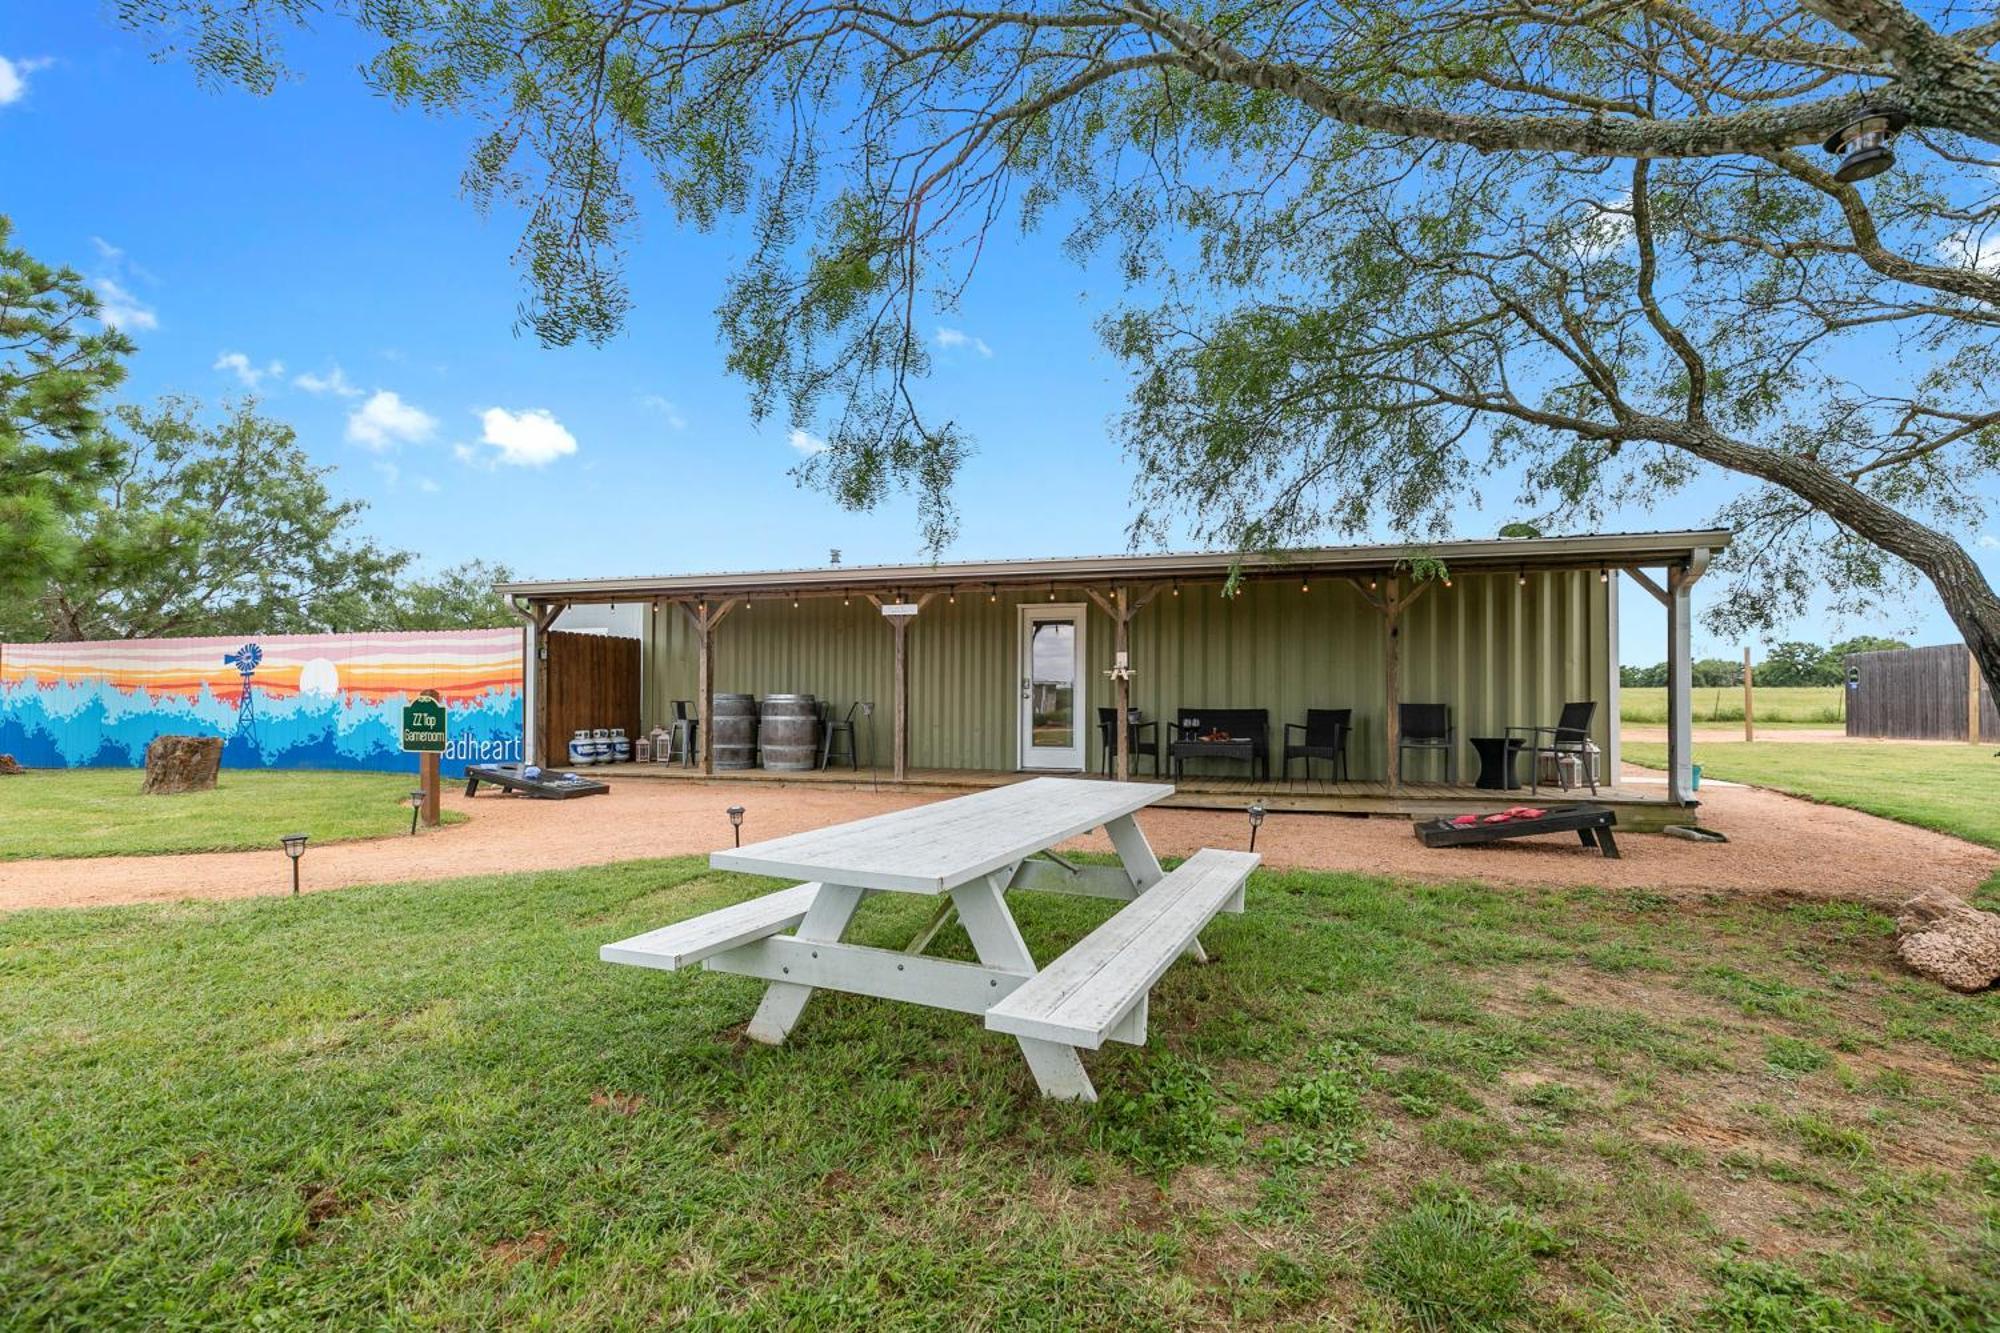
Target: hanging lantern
{"x": 1862, "y": 145}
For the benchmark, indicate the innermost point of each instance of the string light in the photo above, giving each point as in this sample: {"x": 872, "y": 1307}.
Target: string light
{"x": 1521, "y": 579}
{"x": 1305, "y": 586}
{"x": 1603, "y": 575}
{"x": 1177, "y": 587}
{"x": 1052, "y": 592}
{"x": 992, "y": 593}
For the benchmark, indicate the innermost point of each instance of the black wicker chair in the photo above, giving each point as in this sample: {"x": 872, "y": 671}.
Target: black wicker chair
{"x": 1136, "y": 738}
{"x": 1427, "y": 727}
{"x": 1323, "y": 735}
{"x": 1570, "y": 735}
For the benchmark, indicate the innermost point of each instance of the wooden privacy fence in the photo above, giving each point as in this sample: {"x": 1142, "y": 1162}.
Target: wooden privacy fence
{"x": 592, "y": 680}
{"x": 1920, "y": 694}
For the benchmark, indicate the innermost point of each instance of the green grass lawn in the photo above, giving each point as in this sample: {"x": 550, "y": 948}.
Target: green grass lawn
{"x": 100, "y": 811}
{"x": 1381, "y": 1106}
{"x": 1951, "y": 788}
{"x": 1776, "y": 705}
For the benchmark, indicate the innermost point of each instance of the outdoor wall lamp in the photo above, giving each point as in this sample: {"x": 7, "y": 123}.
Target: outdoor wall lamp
{"x": 1862, "y": 145}
{"x": 295, "y": 847}
{"x": 1256, "y": 813}
{"x": 736, "y": 823}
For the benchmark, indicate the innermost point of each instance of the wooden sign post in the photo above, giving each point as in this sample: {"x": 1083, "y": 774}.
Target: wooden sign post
{"x": 424, "y": 732}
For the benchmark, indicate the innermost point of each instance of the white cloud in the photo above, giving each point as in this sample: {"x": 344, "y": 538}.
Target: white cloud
{"x": 14, "y": 77}
{"x": 666, "y": 407}
{"x": 391, "y": 474}
{"x": 385, "y": 421}
{"x": 335, "y": 382}
{"x": 106, "y": 251}
{"x": 427, "y": 486}
{"x": 533, "y": 438}
{"x": 246, "y": 370}
{"x": 120, "y": 309}
{"x": 806, "y": 442}
{"x": 956, "y": 339}
{"x": 1967, "y": 249}
{"x": 1988, "y": 542}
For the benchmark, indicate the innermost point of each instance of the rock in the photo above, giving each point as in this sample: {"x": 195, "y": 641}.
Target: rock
{"x": 182, "y": 763}
{"x": 1690, "y": 833}
{"x": 1947, "y": 939}
{"x": 9, "y": 766}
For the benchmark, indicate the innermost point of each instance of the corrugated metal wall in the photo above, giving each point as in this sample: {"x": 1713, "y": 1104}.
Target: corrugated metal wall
{"x": 1496, "y": 651}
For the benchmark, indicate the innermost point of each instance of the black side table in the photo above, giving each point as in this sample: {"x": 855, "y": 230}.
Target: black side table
{"x": 1496, "y": 761}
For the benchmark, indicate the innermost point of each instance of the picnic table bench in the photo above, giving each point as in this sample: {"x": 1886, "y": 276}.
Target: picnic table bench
{"x": 974, "y": 850}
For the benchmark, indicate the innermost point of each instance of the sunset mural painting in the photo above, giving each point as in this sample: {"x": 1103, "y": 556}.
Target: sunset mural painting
{"x": 285, "y": 701}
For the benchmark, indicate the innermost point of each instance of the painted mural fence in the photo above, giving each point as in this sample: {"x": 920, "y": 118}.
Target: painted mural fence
{"x": 282, "y": 701}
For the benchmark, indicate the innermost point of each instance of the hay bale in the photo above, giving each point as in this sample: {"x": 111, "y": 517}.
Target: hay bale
{"x": 176, "y": 764}
{"x": 1947, "y": 939}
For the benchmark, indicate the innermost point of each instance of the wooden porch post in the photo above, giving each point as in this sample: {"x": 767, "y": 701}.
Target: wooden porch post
{"x": 705, "y": 618}
{"x": 534, "y": 749}
{"x": 900, "y": 625}
{"x": 1121, "y": 607}
{"x": 1392, "y": 679}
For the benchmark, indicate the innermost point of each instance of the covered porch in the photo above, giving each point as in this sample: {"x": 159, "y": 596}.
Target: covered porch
{"x": 975, "y": 674}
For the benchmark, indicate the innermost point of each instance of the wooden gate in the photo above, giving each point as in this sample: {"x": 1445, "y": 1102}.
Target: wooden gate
{"x": 592, "y": 680}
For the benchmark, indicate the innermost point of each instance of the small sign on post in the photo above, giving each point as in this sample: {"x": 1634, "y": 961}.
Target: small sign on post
{"x": 424, "y": 721}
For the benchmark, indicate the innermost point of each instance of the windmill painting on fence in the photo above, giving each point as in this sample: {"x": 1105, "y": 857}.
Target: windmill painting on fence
{"x": 279, "y": 701}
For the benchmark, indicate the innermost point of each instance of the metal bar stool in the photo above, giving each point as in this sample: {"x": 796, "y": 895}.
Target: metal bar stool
{"x": 681, "y": 735}
{"x": 842, "y": 731}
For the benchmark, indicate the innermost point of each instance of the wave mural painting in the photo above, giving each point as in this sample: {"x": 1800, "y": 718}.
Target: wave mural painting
{"x": 285, "y": 701}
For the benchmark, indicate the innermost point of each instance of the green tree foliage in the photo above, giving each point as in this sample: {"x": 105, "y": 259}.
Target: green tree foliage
{"x": 1790, "y": 663}
{"x": 1378, "y": 250}
{"x": 225, "y": 526}
{"x": 58, "y": 364}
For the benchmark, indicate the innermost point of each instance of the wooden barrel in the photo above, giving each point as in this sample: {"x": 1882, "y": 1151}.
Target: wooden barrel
{"x": 788, "y": 732}
{"x": 734, "y": 734}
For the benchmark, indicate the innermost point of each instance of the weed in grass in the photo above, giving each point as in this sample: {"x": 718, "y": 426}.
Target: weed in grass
{"x": 1453, "y": 1262}
{"x": 1558, "y": 1101}
{"x": 1474, "y": 1140}
{"x": 1170, "y": 1119}
{"x": 1424, "y": 1092}
{"x": 1823, "y": 1138}
{"x": 1762, "y": 1297}
{"x": 1331, "y": 1098}
{"x": 1792, "y": 1055}
{"x": 1985, "y": 1173}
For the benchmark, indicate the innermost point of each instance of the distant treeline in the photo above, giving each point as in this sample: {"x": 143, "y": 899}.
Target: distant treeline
{"x": 1791, "y": 663}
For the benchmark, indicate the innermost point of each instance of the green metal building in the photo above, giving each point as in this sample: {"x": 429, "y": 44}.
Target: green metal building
{"x": 1004, "y": 664}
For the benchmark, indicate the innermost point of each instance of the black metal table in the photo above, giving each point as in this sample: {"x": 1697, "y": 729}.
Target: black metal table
{"x": 1244, "y": 749}
{"x": 1496, "y": 761}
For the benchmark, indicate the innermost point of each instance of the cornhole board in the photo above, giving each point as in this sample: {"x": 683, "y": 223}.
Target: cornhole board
{"x": 1592, "y": 825}
{"x": 548, "y": 785}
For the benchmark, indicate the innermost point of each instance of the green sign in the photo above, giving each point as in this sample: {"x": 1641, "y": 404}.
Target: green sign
{"x": 423, "y": 725}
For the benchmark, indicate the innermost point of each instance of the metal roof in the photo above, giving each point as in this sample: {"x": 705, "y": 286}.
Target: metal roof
{"x": 1493, "y": 553}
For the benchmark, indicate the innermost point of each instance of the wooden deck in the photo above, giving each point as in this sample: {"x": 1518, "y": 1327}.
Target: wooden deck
{"x": 1640, "y": 808}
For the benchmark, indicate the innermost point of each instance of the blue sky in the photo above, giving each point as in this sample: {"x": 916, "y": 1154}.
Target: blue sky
{"x": 313, "y": 245}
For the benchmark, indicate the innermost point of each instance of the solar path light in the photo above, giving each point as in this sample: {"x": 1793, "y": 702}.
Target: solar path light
{"x": 1256, "y": 813}
{"x": 736, "y": 823}
{"x": 295, "y": 847}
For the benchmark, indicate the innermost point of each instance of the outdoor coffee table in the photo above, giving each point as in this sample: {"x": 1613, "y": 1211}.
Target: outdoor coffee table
{"x": 1496, "y": 761}
{"x": 973, "y": 850}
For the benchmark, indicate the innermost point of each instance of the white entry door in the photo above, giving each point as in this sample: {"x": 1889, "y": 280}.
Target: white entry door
{"x": 1053, "y": 727}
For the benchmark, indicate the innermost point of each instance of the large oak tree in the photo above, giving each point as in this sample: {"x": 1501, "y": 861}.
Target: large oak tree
{"x": 1595, "y": 236}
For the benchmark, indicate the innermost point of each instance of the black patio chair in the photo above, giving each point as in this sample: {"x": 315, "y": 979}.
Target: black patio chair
{"x": 1427, "y": 727}
{"x": 1323, "y": 736}
{"x": 1570, "y": 735}
{"x": 1135, "y": 734}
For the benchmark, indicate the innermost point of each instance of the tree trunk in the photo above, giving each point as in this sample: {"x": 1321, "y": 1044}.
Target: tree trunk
{"x": 1968, "y": 598}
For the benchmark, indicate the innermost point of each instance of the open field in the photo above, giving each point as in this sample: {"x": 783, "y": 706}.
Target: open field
{"x": 1777, "y": 705}
{"x": 100, "y": 812}
{"x": 1382, "y": 1104}
{"x": 1951, "y": 788}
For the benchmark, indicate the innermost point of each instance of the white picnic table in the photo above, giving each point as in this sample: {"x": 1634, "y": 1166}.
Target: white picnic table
{"x": 975, "y": 850}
